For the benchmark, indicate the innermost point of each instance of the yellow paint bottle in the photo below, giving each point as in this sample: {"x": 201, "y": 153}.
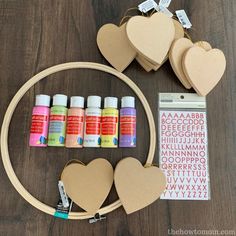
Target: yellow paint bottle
{"x": 109, "y": 125}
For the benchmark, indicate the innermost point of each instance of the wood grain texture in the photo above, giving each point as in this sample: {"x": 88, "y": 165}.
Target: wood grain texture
{"x": 37, "y": 34}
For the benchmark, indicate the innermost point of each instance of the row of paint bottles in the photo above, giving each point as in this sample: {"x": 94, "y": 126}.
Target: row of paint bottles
{"x": 101, "y": 126}
{"x": 48, "y": 126}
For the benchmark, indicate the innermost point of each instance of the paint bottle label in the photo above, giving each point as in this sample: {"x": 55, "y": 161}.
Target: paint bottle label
{"x": 39, "y": 127}
{"x": 57, "y": 126}
{"x": 74, "y": 128}
{"x": 92, "y": 132}
{"x": 109, "y": 128}
{"x": 127, "y": 127}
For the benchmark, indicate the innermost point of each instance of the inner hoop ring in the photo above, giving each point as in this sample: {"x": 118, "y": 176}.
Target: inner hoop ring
{"x": 21, "y": 92}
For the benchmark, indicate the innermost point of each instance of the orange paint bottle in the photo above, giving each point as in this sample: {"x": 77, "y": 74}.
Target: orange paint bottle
{"x": 75, "y": 123}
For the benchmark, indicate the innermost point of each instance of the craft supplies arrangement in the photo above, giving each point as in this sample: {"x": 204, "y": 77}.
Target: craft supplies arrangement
{"x": 151, "y": 174}
{"x": 151, "y": 37}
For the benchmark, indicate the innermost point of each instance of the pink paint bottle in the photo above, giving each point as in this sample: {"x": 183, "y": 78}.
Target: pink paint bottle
{"x": 40, "y": 120}
{"x": 75, "y": 123}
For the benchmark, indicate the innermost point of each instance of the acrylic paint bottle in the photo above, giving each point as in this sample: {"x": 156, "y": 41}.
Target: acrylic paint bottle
{"x": 127, "y": 122}
{"x": 75, "y": 123}
{"x": 40, "y": 120}
{"x": 109, "y": 125}
{"x": 92, "y": 127}
{"x": 57, "y": 121}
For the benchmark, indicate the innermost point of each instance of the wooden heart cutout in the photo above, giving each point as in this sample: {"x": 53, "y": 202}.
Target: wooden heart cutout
{"x": 177, "y": 50}
{"x": 203, "y": 69}
{"x": 151, "y": 36}
{"x": 179, "y": 30}
{"x": 179, "y": 33}
{"x": 136, "y": 185}
{"x": 144, "y": 63}
{"x": 147, "y": 65}
{"x": 114, "y": 45}
{"x": 88, "y": 185}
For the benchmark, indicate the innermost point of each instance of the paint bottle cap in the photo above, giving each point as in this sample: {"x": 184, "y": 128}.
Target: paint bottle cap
{"x": 94, "y": 101}
{"x": 110, "y": 102}
{"x": 77, "y": 101}
{"x": 42, "y": 100}
{"x": 59, "y": 100}
{"x": 127, "y": 101}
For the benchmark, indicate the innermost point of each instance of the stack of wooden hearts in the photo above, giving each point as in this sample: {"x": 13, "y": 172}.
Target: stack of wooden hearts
{"x": 152, "y": 40}
{"x": 146, "y": 39}
{"x": 197, "y": 65}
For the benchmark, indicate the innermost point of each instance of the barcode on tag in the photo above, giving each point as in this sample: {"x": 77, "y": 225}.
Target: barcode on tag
{"x": 164, "y": 10}
{"x": 61, "y": 211}
{"x": 147, "y": 6}
{"x": 63, "y": 194}
{"x": 164, "y": 3}
{"x": 183, "y": 19}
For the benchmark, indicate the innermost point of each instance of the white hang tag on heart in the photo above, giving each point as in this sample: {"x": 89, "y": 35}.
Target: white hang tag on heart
{"x": 164, "y": 3}
{"x": 147, "y": 6}
{"x": 164, "y": 10}
{"x": 63, "y": 195}
{"x": 183, "y": 19}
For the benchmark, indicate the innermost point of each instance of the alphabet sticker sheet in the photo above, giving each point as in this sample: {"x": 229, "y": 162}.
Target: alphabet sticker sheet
{"x": 184, "y": 154}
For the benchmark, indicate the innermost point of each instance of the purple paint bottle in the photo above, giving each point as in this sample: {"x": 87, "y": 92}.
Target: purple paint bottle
{"x": 127, "y": 136}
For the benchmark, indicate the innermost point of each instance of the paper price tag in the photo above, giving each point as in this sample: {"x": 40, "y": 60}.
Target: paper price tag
{"x": 164, "y": 3}
{"x": 63, "y": 194}
{"x": 183, "y": 19}
{"x": 164, "y": 10}
{"x": 147, "y": 6}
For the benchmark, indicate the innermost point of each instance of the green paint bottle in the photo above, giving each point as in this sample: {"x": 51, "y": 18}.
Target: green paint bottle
{"x": 57, "y": 121}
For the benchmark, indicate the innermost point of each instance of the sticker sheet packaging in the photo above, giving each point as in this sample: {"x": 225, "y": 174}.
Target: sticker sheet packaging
{"x": 183, "y": 152}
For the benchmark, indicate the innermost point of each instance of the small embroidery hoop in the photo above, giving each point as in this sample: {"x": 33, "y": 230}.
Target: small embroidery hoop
{"x": 21, "y": 92}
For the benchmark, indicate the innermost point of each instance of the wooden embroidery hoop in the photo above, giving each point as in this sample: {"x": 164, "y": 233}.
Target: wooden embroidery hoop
{"x": 10, "y": 110}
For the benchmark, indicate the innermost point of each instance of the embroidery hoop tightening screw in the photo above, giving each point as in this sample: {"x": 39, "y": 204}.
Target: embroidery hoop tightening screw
{"x": 97, "y": 217}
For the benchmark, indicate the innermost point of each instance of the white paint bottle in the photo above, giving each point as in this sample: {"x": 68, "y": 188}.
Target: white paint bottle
{"x": 92, "y": 127}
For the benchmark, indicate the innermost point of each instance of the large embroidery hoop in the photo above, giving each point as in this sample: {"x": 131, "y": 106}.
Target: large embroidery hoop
{"x": 21, "y": 92}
